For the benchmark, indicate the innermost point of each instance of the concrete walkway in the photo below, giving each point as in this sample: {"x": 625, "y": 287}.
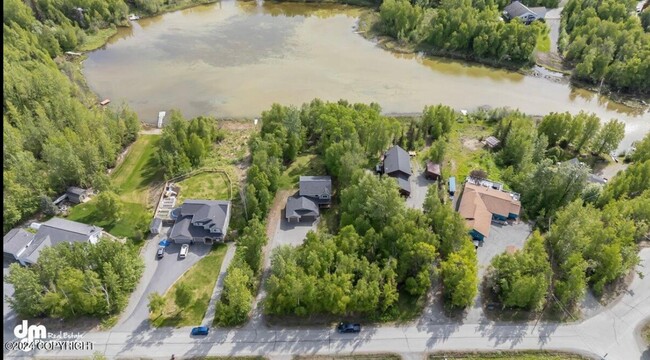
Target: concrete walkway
{"x": 218, "y": 287}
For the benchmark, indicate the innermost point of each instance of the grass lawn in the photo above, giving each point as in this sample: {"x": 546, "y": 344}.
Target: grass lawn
{"x": 134, "y": 214}
{"x": 200, "y": 279}
{"x": 138, "y": 170}
{"x": 97, "y": 40}
{"x": 308, "y": 164}
{"x": 543, "y": 42}
{"x": 384, "y": 356}
{"x": 464, "y": 153}
{"x": 207, "y": 185}
{"x": 507, "y": 355}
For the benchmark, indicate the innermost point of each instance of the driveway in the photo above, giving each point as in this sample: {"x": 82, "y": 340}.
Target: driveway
{"x": 419, "y": 186}
{"x": 291, "y": 233}
{"x": 159, "y": 275}
{"x": 501, "y": 236}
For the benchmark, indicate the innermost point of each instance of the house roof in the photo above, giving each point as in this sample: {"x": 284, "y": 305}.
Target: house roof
{"x": 492, "y": 141}
{"x": 403, "y": 182}
{"x": 298, "y": 206}
{"x": 479, "y": 203}
{"x": 210, "y": 213}
{"x": 515, "y": 9}
{"x": 433, "y": 168}
{"x": 539, "y": 11}
{"x": 315, "y": 185}
{"x": 15, "y": 240}
{"x": 397, "y": 159}
{"x": 76, "y": 190}
{"x": 51, "y": 232}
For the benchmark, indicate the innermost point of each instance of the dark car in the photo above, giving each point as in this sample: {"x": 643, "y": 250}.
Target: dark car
{"x": 161, "y": 252}
{"x": 200, "y": 330}
{"x": 348, "y": 327}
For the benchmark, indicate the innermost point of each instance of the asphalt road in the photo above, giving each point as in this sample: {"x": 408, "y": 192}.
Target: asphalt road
{"x": 610, "y": 332}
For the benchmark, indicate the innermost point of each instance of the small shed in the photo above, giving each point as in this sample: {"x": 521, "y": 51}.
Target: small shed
{"x": 156, "y": 226}
{"x": 433, "y": 171}
{"x": 452, "y": 185}
{"x": 492, "y": 142}
{"x": 76, "y": 195}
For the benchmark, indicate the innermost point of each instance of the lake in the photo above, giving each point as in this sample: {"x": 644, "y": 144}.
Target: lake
{"x": 234, "y": 59}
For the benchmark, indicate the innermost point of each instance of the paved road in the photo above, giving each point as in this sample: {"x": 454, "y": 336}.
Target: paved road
{"x": 611, "y": 332}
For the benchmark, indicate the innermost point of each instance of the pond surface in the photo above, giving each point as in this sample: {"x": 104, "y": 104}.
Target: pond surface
{"x": 234, "y": 59}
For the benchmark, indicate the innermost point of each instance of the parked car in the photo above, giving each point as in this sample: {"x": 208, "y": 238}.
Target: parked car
{"x": 161, "y": 252}
{"x": 345, "y": 327}
{"x": 184, "y": 250}
{"x": 200, "y": 330}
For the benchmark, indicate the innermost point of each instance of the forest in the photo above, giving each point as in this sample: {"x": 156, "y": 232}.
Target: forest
{"x": 606, "y": 43}
{"x": 473, "y": 29}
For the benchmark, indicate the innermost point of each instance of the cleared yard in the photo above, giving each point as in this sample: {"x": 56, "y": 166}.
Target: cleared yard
{"x": 308, "y": 164}
{"x": 509, "y": 355}
{"x": 138, "y": 170}
{"x": 135, "y": 217}
{"x": 463, "y": 155}
{"x": 200, "y": 279}
{"x": 207, "y": 185}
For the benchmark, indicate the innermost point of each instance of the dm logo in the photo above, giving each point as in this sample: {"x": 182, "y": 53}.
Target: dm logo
{"x": 28, "y": 334}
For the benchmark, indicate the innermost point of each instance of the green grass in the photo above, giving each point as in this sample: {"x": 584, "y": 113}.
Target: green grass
{"x": 200, "y": 279}
{"x": 132, "y": 219}
{"x": 507, "y": 355}
{"x": 138, "y": 170}
{"x": 460, "y": 160}
{"x": 306, "y": 165}
{"x": 97, "y": 40}
{"x": 543, "y": 42}
{"x": 207, "y": 185}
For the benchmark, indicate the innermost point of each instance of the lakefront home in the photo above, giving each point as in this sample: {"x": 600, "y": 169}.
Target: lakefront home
{"x": 315, "y": 193}
{"x": 200, "y": 221}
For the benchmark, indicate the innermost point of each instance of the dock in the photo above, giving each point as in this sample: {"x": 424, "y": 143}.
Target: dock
{"x": 161, "y": 116}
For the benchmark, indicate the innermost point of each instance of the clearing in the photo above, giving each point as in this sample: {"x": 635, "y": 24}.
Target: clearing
{"x": 307, "y": 164}
{"x": 200, "y": 279}
{"x": 464, "y": 152}
{"x": 207, "y": 185}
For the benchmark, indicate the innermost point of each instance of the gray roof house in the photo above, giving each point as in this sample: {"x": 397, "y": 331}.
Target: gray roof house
{"x": 397, "y": 164}
{"x": 201, "y": 221}
{"x": 518, "y": 10}
{"x": 25, "y": 246}
{"x": 315, "y": 192}
{"x": 76, "y": 195}
{"x": 592, "y": 178}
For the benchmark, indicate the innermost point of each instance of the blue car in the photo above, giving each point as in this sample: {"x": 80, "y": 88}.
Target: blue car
{"x": 200, "y": 330}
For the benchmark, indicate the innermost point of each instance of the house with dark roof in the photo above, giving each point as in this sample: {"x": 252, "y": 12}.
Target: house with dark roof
{"x": 315, "y": 193}
{"x": 204, "y": 221}
{"x": 25, "y": 246}
{"x": 76, "y": 195}
{"x": 480, "y": 205}
{"x": 527, "y": 15}
{"x": 592, "y": 178}
{"x": 397, "y": 164}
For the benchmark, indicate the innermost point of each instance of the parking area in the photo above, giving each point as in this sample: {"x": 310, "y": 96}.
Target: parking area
{"x": 419, "y": 187}
{"x": 501, "y": 236}
{"x": 159, "y": 275}
{"x": 293, "y": 233}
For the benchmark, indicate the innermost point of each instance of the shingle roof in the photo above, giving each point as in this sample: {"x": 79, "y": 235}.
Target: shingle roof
{"x": 315, "y": 185}
{"x": 433, "y": 168}
{"x": 15, "y": 240}
{"x": 492, "y": 141}
{"x": 480, "y": 202}
{"x": 213, "y": 213}
{"x": 397, "y": 159}
{"x": 298, "y": 206}
{"x": 515, "y": 9}
{"x": 53, "y": 232}
{"x": 403, "y": 183}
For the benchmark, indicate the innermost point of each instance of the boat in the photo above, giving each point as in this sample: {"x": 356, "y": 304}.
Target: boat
{"x": 134, "y": 17}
